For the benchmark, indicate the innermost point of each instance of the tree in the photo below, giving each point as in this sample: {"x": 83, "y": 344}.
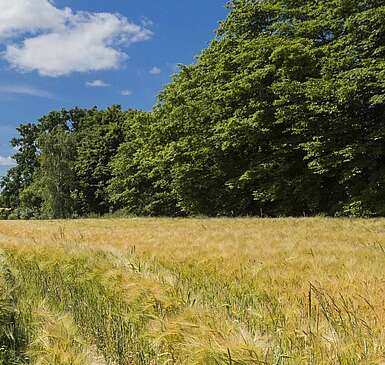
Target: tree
{"x": 141, "y": 183}
{"x": 98, "y": 137}
{"x": 282, "y": 114}
{"x": 55, "y": 176}
{"x": 27, "y": 153}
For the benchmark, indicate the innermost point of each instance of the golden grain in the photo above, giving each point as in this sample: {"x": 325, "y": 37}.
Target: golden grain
{"x": 201, "y": 291}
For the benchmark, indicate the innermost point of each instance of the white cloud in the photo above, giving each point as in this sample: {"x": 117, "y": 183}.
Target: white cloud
{"x": 155, "y": 71}
{"x": 21, "y": 16}
{"x": 126, "y": 92}
{"x": 24, "y": 90}
{"x": 97, "y": 83}
{"x": 60, "y": 41}
{"x": 7, "y": 161}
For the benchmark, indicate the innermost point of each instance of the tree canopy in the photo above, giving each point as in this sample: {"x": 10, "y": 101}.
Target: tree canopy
{"x": 282, "y": 114}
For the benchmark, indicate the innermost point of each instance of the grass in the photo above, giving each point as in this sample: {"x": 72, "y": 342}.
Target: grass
{"x": 196, "y": 291}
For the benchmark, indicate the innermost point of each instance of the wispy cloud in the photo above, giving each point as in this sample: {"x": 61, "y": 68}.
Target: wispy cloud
{"x": 7, "y": 161}
{"x": 25, "y": 90}
{"x": 38, "y": 36}
{"x": 146, "y": 22}
{"x": 126, "y": 92}
{"x": 97, "y": 83}
{"x": 155, "y": 71}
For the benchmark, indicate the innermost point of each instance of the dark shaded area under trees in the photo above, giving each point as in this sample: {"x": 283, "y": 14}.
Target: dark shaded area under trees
{"x": 283, "y": 114}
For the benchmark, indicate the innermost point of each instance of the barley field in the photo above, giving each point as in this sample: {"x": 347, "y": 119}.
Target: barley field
{"x": 192, "y": 291}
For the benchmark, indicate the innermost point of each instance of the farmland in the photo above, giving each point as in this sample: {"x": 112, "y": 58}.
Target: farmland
{"x": 192, "y": 291}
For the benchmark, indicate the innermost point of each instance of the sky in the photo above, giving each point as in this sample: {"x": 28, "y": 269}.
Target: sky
{"x": 66, "y": 53}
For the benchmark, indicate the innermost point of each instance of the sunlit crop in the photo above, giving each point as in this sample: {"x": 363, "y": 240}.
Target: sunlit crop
{"x": 192, "y": 291}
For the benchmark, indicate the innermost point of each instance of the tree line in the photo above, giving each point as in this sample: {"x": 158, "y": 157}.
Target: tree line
{"x": 283, "y": 114}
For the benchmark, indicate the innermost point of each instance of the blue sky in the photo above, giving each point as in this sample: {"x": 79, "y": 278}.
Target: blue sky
{"x": 83, "y": 53}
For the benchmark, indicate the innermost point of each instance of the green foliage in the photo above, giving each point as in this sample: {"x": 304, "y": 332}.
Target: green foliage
{"x": 282, "y": 114}
{"x": 98, "y": 136}
{"x": 56, "y": 178}
{"x": 141, "y": 178}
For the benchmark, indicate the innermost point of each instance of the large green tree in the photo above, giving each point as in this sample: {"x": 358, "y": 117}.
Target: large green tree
{"x": 141, "y": 182}
{"x": 98, "y": 136}
{"x": 56, "y": 178}
{"x": 283, "y": 114}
